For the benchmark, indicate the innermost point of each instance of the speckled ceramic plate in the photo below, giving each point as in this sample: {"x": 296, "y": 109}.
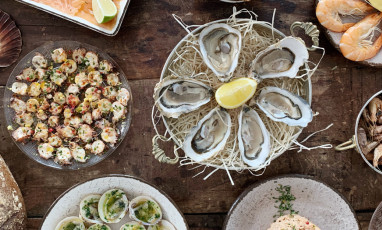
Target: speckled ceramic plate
{"x": 335, "y": 38}
{"x": 255, "y": 207}
{"x": 68, "y": 203}
{"x": 376, "y": 220}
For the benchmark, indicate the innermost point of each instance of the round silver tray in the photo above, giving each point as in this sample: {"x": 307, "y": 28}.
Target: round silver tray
{"x": 30, "y": 148}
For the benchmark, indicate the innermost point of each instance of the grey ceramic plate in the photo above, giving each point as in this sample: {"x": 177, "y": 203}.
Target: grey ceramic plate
{"x": 30, "y": 149}
{"x": 255, "y": 207}
{"x": 68, "y": 203}
{"x": 110, "y": 32}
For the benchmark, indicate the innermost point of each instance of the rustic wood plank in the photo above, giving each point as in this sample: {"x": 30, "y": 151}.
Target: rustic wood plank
{"x": 148, "y": 34}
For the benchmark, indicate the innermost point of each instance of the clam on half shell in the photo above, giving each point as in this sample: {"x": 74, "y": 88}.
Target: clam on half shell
{"x": 99, "y": 227}
{"x": 209, "y": 136}
{"x": 220, "y": 46}
{"x": 145, "y": 210}
{"x": 133, "y": 225}
{"x": 113, "y": 206}
{"x": 162, "y": 225}
{"x": 71, "y": 222}
{"x": 282, "y": 59}
{"x": 175, "y": 97}
{"x": 11, "y": 42}
{"x": 283, "y": 106}
{"x": 253, "y": 138}
{"x": 89, "y": 209}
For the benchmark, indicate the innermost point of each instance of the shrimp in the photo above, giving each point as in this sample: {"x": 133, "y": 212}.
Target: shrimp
{"x": 356, "y": 44}
{"x": 59, "y": 55}
{"x": 41, "y": 132}
{"x": 72, "y": 100}
{"x": 59, "y": 98}
{"x": 328, "y": 13}
{"x": 85, "y": 133}
{"x": 53, "y": 121}
{"x": 24, "y": 119}
{"x": 95, "y": 78}
{"x": 66, "y": 131}
{"x": 72, "y": 89}
{"x": 97, "y": 147}
{"x": 32, "y": 105}
{"x": 109, "y": 135}
{"x": 55, "y": 140}
{"x": 19, "y": 88}
{"x": 123, "y": 96}
{"x": 78, "y": 152}
{"x": 105, "y": 67}
{"x": 22, "y": 134}
{"x": 63, "y": 156}
{"x": 87, "y": 118}
{"x": 81, "y": 79}
{"x": 69, "y": 66}
{"x": 34, "y": 89}
{"x": 39, "y": 61}
{"x": 91, "y": 59}
{"x": 58, "y": 77}
{"x": 113, "y": 79}
{"x": 18, "y": 105}
{"x": 104, "y": 105}
{"x": 41, "y": 115}
{"x": 55, "y": 109}
{"x": 45, "y": 151}
{"x": 79, "y": 55}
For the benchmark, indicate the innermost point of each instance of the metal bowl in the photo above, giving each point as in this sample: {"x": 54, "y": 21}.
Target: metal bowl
{"x": 30, "y": 148}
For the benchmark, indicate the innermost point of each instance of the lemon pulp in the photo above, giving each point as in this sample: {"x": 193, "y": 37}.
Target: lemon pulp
{"x": 235, "y": 93}
{"x": 376, "y": 4}
{"x": 104, "y": 10}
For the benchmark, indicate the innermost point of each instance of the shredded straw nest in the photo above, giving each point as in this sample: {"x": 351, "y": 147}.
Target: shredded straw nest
{"x": 187, "y": 62}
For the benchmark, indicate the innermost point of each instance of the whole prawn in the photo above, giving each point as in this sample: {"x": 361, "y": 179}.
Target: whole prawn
{"x": 328, "y": 12}
{"x": 356, "y": 43}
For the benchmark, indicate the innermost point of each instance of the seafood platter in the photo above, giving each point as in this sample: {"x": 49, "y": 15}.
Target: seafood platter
{"x": 114, "y": 202}
{"x": 353, "y": 27}
{"x": 368, "y": 133}
{"x": 234, "y": 94}
{"x": 69, "y": 105}
{"x": 103, "y": 16}
{"x": 291, "y": 202}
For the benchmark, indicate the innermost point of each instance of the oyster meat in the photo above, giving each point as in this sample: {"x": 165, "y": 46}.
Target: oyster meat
{"x": 71, "y": 222}
{"x": 253, "y": 138}
{"x": 220, "y": 46}
{"x": 282, "y": 59}
{"x": 209, "y": 136}
{"x": 283, "y": 106}
{"x": 175, "y": 97}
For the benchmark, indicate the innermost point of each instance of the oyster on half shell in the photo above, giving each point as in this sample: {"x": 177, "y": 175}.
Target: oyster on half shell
{"x": 220, "y": 46}
{"x": 175, "y": 97}
{"x": 209, "y": 136}
{"x": 253, "y": 138}
{"x": 282, "y": 59}
{"x": 283, "y": 106}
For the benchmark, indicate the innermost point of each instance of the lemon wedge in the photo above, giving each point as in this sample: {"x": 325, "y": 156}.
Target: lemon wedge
{"x": 235, "y": 93}
{"x": 376, "y": 4}
{"x": 104, "y": 10}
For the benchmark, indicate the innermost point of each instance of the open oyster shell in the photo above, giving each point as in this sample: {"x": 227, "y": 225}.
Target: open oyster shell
{"x": 283, "y": 106}
{"x": 71, "y": 222}
{"x": 162, "y": 225}
{"x": 282, "y": 59}
{"x": 113, "y": 206}
{"x": 10, "y": 40}
{"x": 209, "y": 136}
{"x": 89, "y": 209}
{"x": 145, "y": 210}
{"x": 175, "y": 97}
{"x": 220, "y": 46}
{"x": 253, "y": 138}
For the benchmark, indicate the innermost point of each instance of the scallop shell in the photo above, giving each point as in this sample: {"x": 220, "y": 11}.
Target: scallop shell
{"x": 10, "y": 40}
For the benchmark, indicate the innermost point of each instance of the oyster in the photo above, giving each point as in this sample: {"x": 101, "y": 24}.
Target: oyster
{"x": 11, "y": 41}
{"x": 89, "y": 209}
{"x": 220, "y": 46}
{"x": 253, "y": 137}
{"x": 282, "y": 59}
{"x": 71, "y": 222}
{"x": 112, "y": 206}
{"x": 145, "y": 210}
{"x": 162, "y": 225}
{"x": 179, "y": 96}
{"x": 209, "y": 136}
{"x": 284, "y": 106}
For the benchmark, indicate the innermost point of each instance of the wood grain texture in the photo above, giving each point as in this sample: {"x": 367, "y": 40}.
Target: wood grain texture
{"x": 147, "y": 36}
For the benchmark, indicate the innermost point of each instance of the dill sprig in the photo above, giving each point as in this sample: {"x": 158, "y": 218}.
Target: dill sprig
{"x": 284, "y": 201}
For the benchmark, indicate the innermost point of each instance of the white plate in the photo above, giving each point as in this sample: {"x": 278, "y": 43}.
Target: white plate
{"x": 110, "y": 32}
{"x": 68, "y": 203}
{"x": 255, "y": 207}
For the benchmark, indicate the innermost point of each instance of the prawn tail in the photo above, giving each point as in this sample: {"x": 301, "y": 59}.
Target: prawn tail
{"x": 347, "y": 26}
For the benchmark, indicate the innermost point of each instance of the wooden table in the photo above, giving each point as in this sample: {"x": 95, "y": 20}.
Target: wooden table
{"x": 147, "y": 36}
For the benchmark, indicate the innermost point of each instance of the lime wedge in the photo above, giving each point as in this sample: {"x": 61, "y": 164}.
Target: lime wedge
{"x": 104, "y": 10}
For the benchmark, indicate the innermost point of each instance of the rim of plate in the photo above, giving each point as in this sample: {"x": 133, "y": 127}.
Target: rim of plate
{"x": 111, "y": 176}
{"x": 298, "y": 176}
{"x": 307, "y": 85}
{"x": 123, "y": 130}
